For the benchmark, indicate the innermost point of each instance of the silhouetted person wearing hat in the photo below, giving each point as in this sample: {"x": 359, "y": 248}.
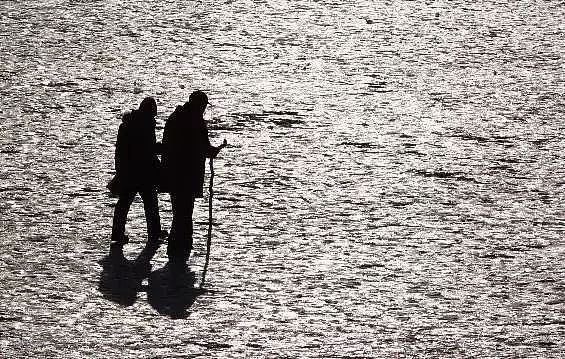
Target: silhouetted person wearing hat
{"x": 185, "y": 148}
{"x": 137, "y": 171}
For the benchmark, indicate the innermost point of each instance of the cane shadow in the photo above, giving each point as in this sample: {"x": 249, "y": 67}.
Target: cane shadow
{"x": 121, "y": 278}
{"x": 171, "y": 290}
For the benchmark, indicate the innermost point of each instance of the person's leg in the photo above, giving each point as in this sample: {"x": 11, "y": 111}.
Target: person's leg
{"x": 180, "y": 238}
{"x": 151, "y": 207}
{"x": 120, "y": 217}
{"x": 176, "y": 218}
{"x": 190, "y": 209}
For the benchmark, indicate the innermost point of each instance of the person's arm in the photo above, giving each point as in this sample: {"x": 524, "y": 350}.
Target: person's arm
{"x": 121, "y": 148}
{"x": 211, "y": 151}
{"x": 157, "y": 146}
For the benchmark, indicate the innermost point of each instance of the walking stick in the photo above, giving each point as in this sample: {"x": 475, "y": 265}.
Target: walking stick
{"x": 211, "y": 194}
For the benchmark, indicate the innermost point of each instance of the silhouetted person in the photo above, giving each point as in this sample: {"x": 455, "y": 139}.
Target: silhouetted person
{"x": 137, "y": 170}
{"x": 185, "y": 148}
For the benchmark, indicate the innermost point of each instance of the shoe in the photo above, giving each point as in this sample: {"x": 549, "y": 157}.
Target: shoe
{"x": 156, "y": 242}
{"x": 178, "y": 252}
{"x": 116, "y": 252}
{"x": 120, "y": 242}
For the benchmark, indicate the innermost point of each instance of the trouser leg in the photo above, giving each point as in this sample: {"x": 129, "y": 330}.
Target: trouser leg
{"x": 190, "y": 210}
{"x": 180, "y": 239}
{"x": 120, "y": 216}
{"x": 151, "y": 207}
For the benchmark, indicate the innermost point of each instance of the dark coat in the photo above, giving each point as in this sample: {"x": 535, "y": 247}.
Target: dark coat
{"x": 136, "y": 161}
{"x": 185, "y": 148}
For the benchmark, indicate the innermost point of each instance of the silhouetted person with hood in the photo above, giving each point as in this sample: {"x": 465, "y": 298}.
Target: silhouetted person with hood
{"x": 185, "y": 148}
{"x": 137, "y": 171}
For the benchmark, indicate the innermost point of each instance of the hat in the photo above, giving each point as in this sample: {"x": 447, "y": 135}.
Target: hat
{"x": 198, "y": 97}
{"x": 148, "y": 106}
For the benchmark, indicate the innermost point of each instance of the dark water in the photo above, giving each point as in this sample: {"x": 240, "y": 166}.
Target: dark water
{"x": 393, "y": 188}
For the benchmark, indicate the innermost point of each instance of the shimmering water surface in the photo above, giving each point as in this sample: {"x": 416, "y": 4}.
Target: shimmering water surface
{"x": 394, "y": 183}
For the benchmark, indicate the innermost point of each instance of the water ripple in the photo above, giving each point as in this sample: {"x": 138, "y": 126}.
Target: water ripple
{"x": 393, "y": 184}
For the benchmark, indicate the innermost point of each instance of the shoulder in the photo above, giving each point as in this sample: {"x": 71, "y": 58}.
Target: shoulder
{"x": 128, "y": 116}
{"x": 179, "y": 110}
{"x": 127, "y": 120}
{"x": 173, "y": 117}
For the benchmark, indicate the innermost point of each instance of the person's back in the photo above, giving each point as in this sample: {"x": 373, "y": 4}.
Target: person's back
{"x": 185, "y": 147}
{"x": 136, "y": 158}
{"x": 137, "y": 168}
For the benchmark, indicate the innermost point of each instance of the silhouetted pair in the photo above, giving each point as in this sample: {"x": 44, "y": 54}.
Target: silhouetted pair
{"x": 180, "y": 172}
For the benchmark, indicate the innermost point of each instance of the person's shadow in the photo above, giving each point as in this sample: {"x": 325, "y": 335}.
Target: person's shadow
{"x": 121, "y": 278}
{"x": 170, "y": 289}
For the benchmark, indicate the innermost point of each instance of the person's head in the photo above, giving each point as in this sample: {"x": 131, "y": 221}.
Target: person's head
{"x": 198, "y": 101}
{"x": 148, "y": 107}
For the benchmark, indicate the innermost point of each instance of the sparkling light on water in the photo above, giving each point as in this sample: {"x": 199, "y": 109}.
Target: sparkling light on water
{"x": 393, "y": 185}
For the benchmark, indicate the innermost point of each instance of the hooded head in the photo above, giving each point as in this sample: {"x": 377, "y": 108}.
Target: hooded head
{"x": 198, "y": 101}
{"x": 148, "y": 107}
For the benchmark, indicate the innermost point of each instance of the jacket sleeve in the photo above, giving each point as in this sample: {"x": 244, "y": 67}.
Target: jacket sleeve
{"x": 210, "y": 151}
{"x": 165, "y": 142}
{"x": 121, "y": 148}
{"x": 156, "y": 146}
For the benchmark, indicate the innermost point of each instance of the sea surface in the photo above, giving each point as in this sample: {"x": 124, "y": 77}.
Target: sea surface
{"x": 393, "y": 185}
